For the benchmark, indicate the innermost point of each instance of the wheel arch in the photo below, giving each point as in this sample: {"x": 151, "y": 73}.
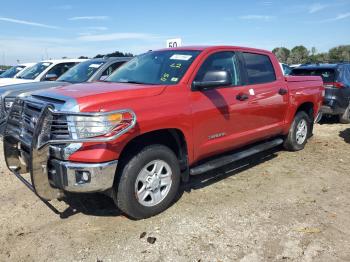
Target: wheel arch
{"x": 171, "y": 137}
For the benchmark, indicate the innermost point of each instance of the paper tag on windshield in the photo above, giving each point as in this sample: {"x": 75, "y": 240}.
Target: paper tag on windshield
{"x": 180, "y": 57}
{"x": 95, "y": 65}
{"x": 46, "y": 64}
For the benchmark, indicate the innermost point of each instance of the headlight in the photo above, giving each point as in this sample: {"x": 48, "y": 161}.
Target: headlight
{"x": 8, "y": 102}
{"x": 97, "y": 125}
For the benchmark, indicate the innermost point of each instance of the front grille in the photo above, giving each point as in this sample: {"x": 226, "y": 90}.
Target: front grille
{"x": 59, "y": 128}
{"x": 23, "y": 119}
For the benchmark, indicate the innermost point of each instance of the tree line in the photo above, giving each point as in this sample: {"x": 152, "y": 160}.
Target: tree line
{"x": 113, "y": 54}
{"x": 301, "y": 55}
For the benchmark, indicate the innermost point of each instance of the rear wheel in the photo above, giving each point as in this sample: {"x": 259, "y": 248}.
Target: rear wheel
{"x": 299, "y": 132}
{"x": 149, "y": 182}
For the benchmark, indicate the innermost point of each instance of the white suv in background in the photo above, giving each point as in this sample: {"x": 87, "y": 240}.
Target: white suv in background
{"x": 48, "y": 70}
{"x": 14, "y": 71}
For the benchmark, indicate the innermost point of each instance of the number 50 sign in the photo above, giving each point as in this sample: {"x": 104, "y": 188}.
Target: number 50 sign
{"x": 176, "y": 42}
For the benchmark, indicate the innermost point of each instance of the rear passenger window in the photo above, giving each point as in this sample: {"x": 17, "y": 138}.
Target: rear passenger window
{"x": 259, "y": 69}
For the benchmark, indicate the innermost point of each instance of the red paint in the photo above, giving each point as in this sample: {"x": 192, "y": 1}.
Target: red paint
{"x": 196, "y": 114}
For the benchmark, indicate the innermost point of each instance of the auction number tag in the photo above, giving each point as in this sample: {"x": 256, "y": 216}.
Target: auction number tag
{"x": 180, "y": 57}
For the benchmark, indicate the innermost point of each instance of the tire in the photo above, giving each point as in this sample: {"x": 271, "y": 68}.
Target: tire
{"x": 345, "y": 118}
{"x": 296, "y": 140}
{"x": 140, "y": 185}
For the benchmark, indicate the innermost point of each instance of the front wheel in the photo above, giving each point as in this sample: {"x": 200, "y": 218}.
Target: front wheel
{"x": 299, "y": 132}
{"x": 149, "y": 182}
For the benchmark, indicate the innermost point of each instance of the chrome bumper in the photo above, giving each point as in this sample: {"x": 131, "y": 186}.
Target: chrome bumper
{"x": 82, "y": 177}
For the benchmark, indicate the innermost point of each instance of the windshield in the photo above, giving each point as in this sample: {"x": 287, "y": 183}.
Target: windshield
{"x": 155, "y": 68}
{"x": 286, "y": 69}
{"x": 328, "y": 75}
{"x": 81, "y": 72}
{"x": 11, "y": 72}
{"x": 34, "y": 71}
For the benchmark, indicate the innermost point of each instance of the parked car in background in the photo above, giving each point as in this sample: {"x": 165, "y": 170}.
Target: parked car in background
{"x": 159, "y": 118}
{"x": 286, "y": 69}
{"x": 48, "y": 70}
{"x": 15, "y": 71}
{"x": 336, "y": 78}
{"x": 295, "y": 65}
{"x": 88, "y": 71}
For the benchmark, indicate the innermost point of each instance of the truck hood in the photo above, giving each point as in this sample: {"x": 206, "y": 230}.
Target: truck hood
{"x": 15, "y": 90}
{"x": 93, "y": 96}
{"x": 13, "y": 81}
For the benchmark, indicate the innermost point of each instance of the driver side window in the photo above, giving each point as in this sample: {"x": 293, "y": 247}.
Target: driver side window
{"x": 222, "y": 61}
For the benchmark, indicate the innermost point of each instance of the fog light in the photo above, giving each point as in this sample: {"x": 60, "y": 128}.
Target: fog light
{"x": 82, "y": 176}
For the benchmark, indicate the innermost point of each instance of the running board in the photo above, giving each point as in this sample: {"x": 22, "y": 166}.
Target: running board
{"x": 228, "y": 159}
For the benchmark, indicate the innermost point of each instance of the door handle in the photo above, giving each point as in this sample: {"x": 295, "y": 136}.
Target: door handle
{"x": 242, "y": 97}
{"x": 282, "y": 91}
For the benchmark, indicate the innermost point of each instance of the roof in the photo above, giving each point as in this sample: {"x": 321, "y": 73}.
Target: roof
{"x": 64, "y": 60}
{"x": 27, "y": 64}
{"x": 320, "y": 66}
{"x": 209, "y": 48}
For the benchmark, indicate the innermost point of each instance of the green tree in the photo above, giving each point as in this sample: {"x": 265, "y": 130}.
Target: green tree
{"x": 298, "y": 55}
{"x": 115, "y": 54}
{"x": 282, "y": 54}
{"x": 340, "y": 53}
{"x": 83, "y": 57}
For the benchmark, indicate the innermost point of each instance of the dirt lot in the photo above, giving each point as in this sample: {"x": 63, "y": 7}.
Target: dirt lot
{"x": 280, "y": 206}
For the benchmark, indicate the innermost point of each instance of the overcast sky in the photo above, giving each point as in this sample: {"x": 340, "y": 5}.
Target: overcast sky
{"x": 34, "y": 30}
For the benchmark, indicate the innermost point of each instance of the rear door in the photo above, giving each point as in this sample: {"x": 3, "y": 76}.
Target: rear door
{"x": 268, "y": 98}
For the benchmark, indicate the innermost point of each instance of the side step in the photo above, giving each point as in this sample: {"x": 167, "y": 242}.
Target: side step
{"x": 228, "y": 159}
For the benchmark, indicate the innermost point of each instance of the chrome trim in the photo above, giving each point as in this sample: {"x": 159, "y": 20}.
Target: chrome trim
{"x": 64, "y": 151}
{"x": 101, "y": 175}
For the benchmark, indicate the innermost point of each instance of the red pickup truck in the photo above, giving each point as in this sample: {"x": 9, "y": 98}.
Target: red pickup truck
{"x": 160, "y": 118}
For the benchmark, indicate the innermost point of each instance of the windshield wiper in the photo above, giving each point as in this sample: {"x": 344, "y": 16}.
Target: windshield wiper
{"x": 134, "y": 82}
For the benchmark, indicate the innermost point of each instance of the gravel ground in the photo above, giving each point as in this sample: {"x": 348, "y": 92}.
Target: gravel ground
{"x": 278, "y": 206}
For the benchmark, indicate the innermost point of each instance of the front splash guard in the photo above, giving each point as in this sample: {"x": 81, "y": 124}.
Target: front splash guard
{"x": 36, "y": 162}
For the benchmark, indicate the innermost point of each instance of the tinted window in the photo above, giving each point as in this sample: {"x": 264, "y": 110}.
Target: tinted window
{"x": 286, "y": 69}
{"x": 347, "y": 75}
{"x": 259, "y": 68}
{"x": 34, "y": 71}
{"x": 226, "y": 61}
{"x": 328, "y": 75}
{"x": 157, "y": 68}
{"x": 110, "y": 69}
{"x": 81, "y": 72}
{"x": 60, "y": 69}
{"x": 11, "y": 72}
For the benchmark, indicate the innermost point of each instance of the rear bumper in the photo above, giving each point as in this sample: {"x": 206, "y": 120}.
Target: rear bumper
{"x": 82, "y": 177}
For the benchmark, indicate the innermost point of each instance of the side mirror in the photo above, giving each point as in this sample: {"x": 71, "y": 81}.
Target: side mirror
{"x": 212, "y": 79}
{"x": 51, "y": 77}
